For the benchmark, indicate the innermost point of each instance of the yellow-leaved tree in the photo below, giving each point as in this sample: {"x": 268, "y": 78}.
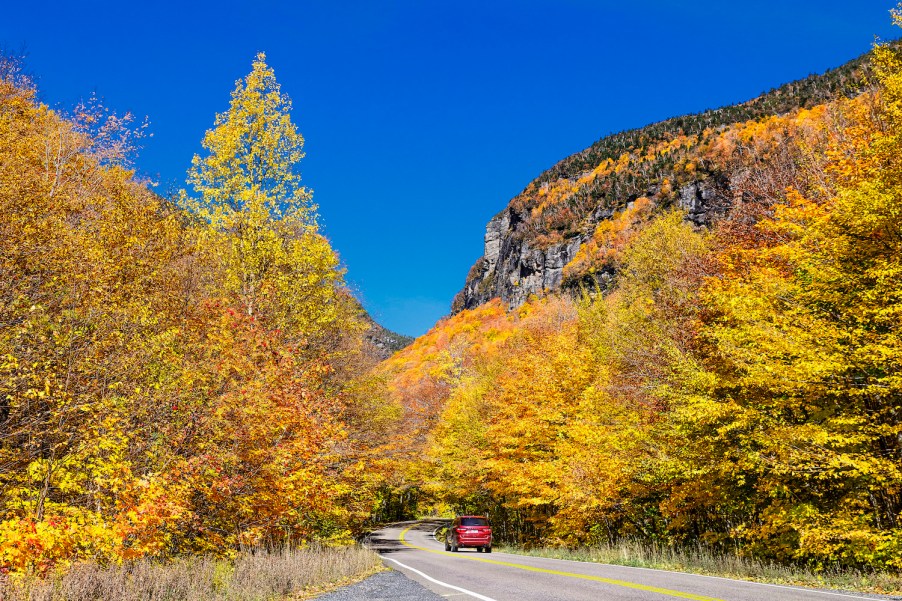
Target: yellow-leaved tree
{"x": 274, "y": 461}
{"x": 263, "y": 220}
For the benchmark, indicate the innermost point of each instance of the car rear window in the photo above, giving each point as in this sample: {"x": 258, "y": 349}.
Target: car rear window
{"x": 474, "y": 522}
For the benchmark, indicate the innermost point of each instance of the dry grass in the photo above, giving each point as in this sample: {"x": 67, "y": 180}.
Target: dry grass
{"x": 705, "y": 561}
{"x": 254, "y": 576}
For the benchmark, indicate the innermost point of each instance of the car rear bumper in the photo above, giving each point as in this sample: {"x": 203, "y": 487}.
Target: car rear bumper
{"x": 475, "y": 541}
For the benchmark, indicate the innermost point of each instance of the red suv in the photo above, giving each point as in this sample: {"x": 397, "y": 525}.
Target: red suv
{"x": 469, "y": 531}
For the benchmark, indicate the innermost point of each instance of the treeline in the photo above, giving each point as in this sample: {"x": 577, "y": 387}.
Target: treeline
{"x": 847, "y": 80}
{"x": 739, "y": 387}
{"x": 177, "y": 376}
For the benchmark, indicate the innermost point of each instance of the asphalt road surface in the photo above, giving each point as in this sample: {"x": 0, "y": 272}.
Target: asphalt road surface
{"x": 411, "y": 549}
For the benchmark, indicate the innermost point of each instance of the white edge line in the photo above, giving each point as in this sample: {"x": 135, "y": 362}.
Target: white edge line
{"x": 439, "y": 582}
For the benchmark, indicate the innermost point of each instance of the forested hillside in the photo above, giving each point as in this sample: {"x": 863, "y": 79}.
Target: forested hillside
{"x": 728, "y": 376}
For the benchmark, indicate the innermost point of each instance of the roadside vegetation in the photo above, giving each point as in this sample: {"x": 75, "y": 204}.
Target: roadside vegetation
{"x": 258, "y": 575}
{"x": 179, "y": 376}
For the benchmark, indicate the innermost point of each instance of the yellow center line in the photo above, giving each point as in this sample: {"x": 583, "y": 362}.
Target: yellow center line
{"x": 615, "y": 582}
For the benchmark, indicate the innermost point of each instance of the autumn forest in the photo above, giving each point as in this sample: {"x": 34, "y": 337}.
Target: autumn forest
{"x": 189, "y": 374}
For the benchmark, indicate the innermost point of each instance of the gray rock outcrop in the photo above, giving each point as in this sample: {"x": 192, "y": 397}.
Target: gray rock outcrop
{"x": 512, "y": 268}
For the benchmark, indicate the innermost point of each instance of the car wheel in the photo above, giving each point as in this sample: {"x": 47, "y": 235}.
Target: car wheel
{"x": 453, "y": 548}
{"x": 488, "y": 549}
{"x": 447, "y": 546}
{"x": 480, "y": 549}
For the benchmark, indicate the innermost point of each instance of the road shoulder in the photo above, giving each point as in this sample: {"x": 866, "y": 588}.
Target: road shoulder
{"x": 384, "y": 586}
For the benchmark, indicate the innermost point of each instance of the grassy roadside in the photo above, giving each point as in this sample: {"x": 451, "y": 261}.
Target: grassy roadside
{"x": 704, "y": 561}
{"x": 258, "y": 575}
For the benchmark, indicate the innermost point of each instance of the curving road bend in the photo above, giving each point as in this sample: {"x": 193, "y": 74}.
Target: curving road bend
{"x": 410, "y": 548}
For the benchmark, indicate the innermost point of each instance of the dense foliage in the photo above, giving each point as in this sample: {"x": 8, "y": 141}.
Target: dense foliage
{"x": 174, "y": 377}
{"x": 738, "y": 386}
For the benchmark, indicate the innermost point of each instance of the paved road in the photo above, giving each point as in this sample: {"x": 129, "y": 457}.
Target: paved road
{"x": 411, "y": 549}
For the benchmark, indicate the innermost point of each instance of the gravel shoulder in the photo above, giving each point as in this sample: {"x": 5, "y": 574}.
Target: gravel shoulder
{"x": 384, "y": 586}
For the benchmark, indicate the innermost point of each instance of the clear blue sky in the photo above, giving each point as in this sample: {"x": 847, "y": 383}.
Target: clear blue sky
{"x": 422, "y": 118}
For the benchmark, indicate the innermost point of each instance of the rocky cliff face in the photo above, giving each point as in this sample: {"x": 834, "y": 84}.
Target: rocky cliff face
{"x": 512, "y": 269}
{"x": 552, "y": 235}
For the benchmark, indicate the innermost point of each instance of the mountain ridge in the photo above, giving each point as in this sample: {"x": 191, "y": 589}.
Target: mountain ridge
{"x": 530, "y": 246}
